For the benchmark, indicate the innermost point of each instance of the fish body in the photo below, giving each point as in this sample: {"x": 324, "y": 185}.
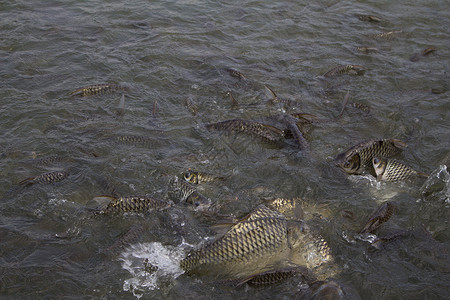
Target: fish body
{"x": 378, "y": 217}
{"x": 387, "y": 35}
{"x": 361, "y": 106}
{"x": 46, "y": 178}
{"x": 366, "y": 49}
{"x": 236, "y": 74}
{"x": 196, "y": 177}
{"x": 44, "y": 161}
{"x": 393, "y": 170}
{"x": 133, "y": 140}
{"x": 369, "y": 18}
{"x": 273, "y": 276}
{"x": 292, "y": 126}
{"x": 357, "y": 158}
{"x": 182, "y": 192}
{"x": 266, "y": 132}
{"x": 133, "y": 235}
{"x": 96, "y": 89}
{"x": 425, "y": 52}
{"x": 261, "y": 237}
{"x": 138, "y": 204}
{"x": 345, "y": 70}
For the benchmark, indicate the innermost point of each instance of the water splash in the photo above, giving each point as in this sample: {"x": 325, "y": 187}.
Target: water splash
{"x": 437, "y": 187}
{"x": 165, "y": 258}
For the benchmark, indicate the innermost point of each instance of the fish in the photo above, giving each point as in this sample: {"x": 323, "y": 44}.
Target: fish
{"x": 133, "y": 235}
{"x": 345, "y": 70}
{"x": 96, "y": 89}
{"x": 357, "y": 158}
{"x": 256, "y": 238}
{"x": 45, "y": 178}
{"x": 286, "y": 206}
{"x": 191, "y": 106}
{"x": 273, "y": 276}
{"x": 381, "y": 215}
{"x": 297, "y": 135}
{"x": 275, "y": 99}
{"x": 200, "y": 177}
{"x": 367, "y": 49}
{"x": 48, "y": 160}
{"x": 330, "y": 290}
{"x": 236, "y": 74}
{"x": 424, "y": 52}
{"x": 267, "y": 133}
{"x": 180, "y": 191}
{"x": 133, "y": 140}
{"x": 386, "y": 35}
{"x": 369, "y": 18}
{"x": 393, "y": 170}
{"x": 149, "y": 268}
{"x": 138, "y": 204}
{"x": 361, "y": 106}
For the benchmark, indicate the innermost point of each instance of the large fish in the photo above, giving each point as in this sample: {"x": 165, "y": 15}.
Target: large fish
{"x": 266, "y": 132}
{"x": 139, "y": 204}
{"x": 46, "y": 178}
{"x": 180, "y": 191}
{"x": 393, "y": 170}
{"x": 261, "y": 238}
{"x": 378, "y": 217}
{"x": 357, "y": 158}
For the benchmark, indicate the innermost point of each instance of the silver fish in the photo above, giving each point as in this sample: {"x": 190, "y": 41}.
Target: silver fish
{"x": 261, "y": 236}
{"x": 131, "y": 204}
{"x": 200, "y": 177}
{"x": 46, "y": 178}
{"x": 96, "y": 89}
{"x": 359, "y": 157}
{"x": 345, "y": 70}
{"x": 393, "y": 170}
{"x": 380, "y": 216}
{"x": 182, "y": 192}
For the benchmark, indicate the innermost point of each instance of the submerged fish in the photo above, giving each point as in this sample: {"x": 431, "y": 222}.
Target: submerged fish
{"x": 361, "y": 106}
{"x": 133, "y": 235}
{"x": 180, "y": 191}
{"x": 387, "y": 35}
{"x": 43, "y": 161}
{"x": 378, "y": 217}
{"x": 393, "y": 170}
{"x": 425, "y": 52}
{"x": 46, "y": 178}
{"x": 292, "y": 126}
{"x": 358, "y": 157}
{"x": 131, "y": 204}
{"x": 366, "y": 49}
{"x": 274, "y": 276}
{"x": 200, "y": 177}
{"x": 345, "y": 70}
{"x": 328, "y": 290}
{"x": 369, "y": 18}
{"x": 266, "y": 132}
{"x": 259, "y": 238}
{"x": 133, "y": 140}
{"x": 96, "y": 89}
{"x": 236, "y": 74}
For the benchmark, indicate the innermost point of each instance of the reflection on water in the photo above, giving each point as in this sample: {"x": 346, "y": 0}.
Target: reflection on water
{"x": 174, "y": 60}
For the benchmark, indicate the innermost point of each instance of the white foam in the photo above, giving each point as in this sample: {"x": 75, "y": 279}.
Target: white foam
{"x": 166, "y": 258}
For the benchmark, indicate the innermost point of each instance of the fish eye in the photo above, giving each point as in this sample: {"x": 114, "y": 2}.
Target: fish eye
{"x": 347, "y": 164}
{"x": 187, "y": 174}
{"x": 376, "y": 160}
{"x": 197, "y": 203}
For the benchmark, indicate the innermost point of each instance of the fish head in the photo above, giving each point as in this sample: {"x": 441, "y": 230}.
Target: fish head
{"x": 191, "y": 176}
{"x": 379, "y": 165}
{"x": 357, "y": 70}
{"x": 308, "y": 248}
{"x": 350, "y": 164}
{"x": 199, "y": 202}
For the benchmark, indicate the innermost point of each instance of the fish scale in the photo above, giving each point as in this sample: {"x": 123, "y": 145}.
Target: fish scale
{"x": 252, "y": 238}
{"x": 266, "y": 132}
{"x": 393, "y": 170}
{"x": 358, "y": 157}
{"x": 46, "y": 178}
{"x": 133, "y": 204}
{"x": 380, "y": 216}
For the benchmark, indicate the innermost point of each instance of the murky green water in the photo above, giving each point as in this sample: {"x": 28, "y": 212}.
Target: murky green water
{"x": 173, "y": 56}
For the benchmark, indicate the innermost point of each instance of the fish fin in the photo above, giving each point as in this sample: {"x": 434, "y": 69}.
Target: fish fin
{"x": 422, "y": 174}
{"x": 27, "y": 181}
{"x": 103, "y": 201}
{"x": 399, "y": 144}
{"x": 270, "y": 93}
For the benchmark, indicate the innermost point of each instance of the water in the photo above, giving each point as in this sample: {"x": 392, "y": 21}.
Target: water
{"x": 169, "y": 53}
